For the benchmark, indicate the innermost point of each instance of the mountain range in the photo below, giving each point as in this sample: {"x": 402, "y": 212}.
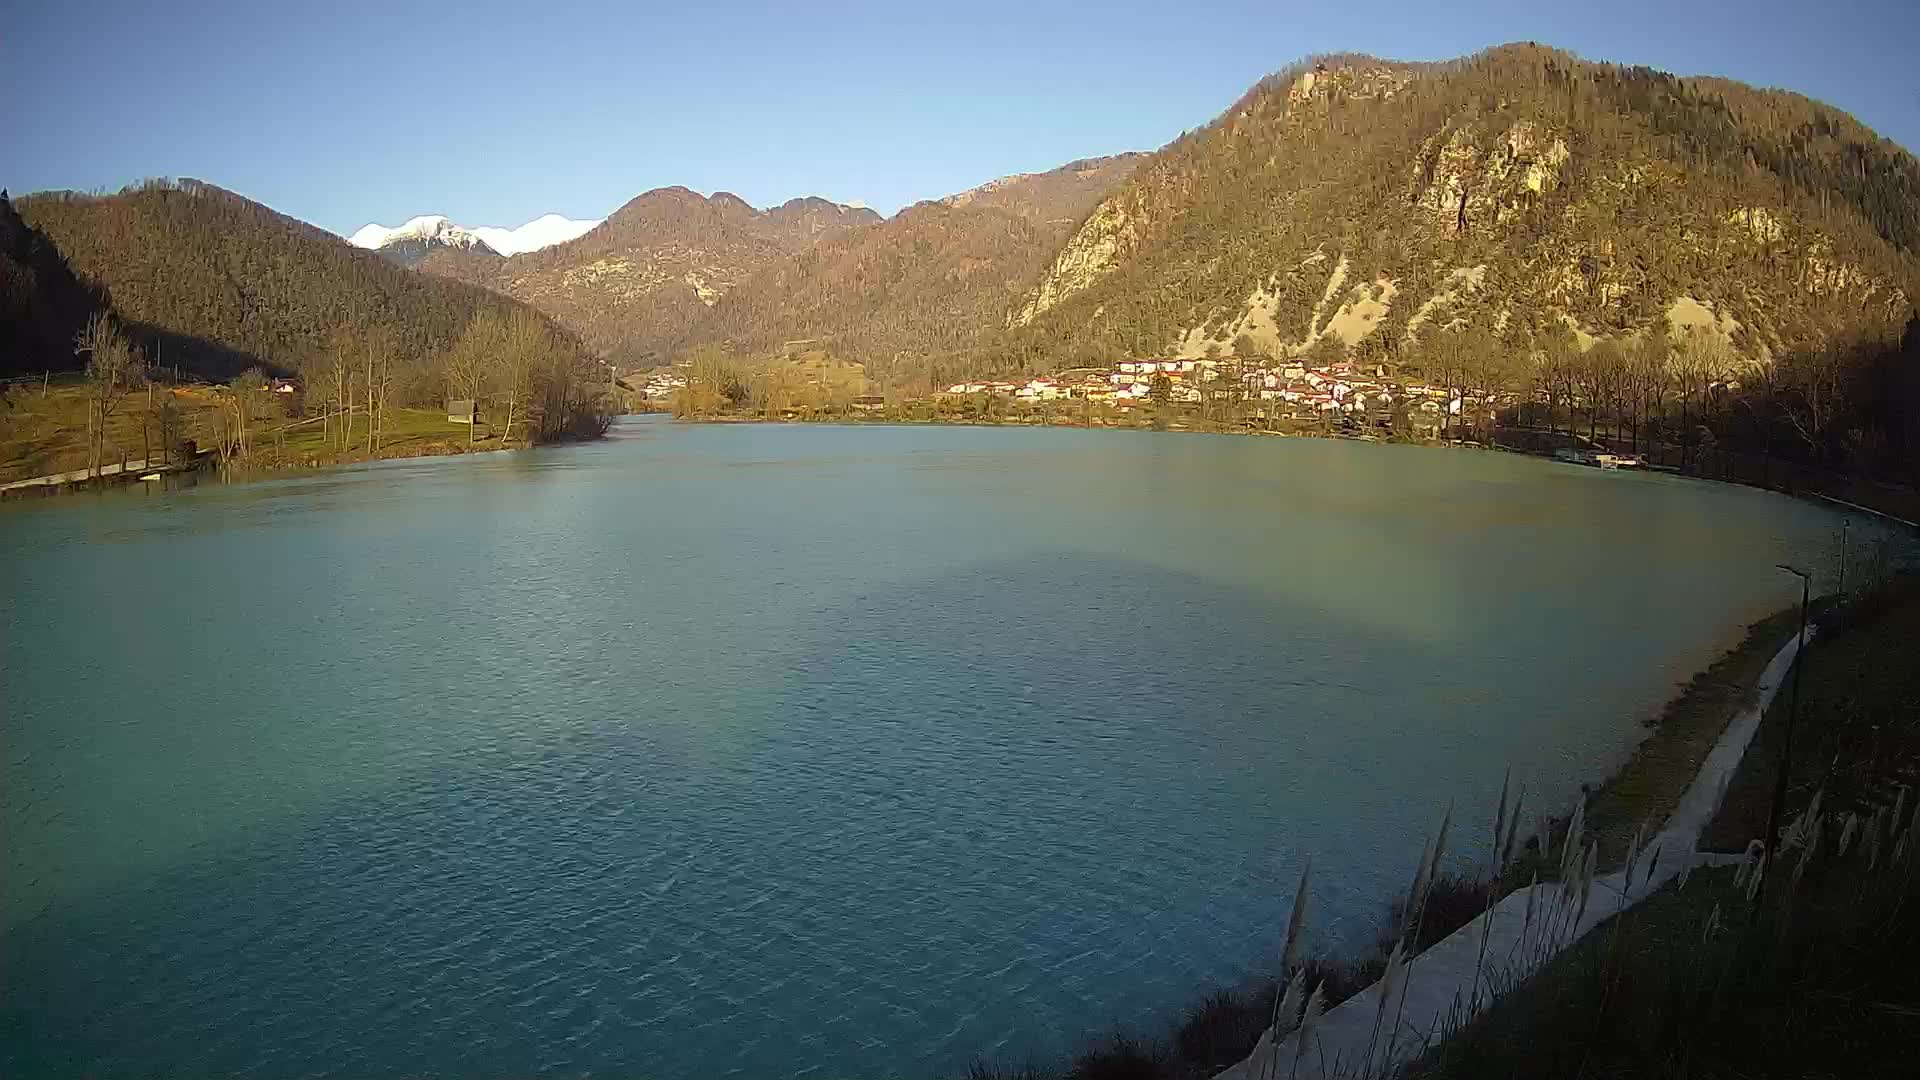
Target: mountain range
{"x": 636, "y": 284}
{"x": 1346, "y": 204}
{"x": 409, "y": 242}
{"x": 672, "y": 268}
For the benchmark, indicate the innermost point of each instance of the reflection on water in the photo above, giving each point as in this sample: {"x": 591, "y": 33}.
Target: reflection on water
{"x": 926, "y": 744}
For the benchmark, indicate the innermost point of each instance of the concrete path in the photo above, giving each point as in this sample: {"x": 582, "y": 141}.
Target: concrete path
{"x": 1446, "y": 985}
{"x": 74, "y": 476}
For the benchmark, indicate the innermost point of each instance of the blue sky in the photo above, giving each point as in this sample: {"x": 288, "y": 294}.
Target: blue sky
{"x": 495, "y": 113}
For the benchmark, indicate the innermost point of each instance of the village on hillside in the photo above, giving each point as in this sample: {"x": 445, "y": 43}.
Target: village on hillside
{"x": 1260, "y": 392}
{"x": 1289, "y": 389}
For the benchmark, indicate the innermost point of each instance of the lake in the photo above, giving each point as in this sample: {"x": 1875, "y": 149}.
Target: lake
{"x": 793, "y": 750}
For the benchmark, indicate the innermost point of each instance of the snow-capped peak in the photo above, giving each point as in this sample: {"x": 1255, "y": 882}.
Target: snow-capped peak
{"x": 431, "y": 228}
{"x": 544, "y": 231}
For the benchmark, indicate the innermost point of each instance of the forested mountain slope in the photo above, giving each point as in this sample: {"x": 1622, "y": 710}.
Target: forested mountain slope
{"x": 1520, "y": 195}
{"x": 934, "y": 281}
{"x": 222, "y": 283}
{"x": 643, "y": 278}
{"x": 43, "y": 304}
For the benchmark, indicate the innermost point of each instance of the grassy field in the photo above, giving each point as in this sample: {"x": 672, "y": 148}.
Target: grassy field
{"x": 403, "y": 433}
{"x": 44, "y": 432}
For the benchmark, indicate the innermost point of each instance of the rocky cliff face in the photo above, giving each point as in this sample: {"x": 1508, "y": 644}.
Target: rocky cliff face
{"x": 1095, "y": 249}
{"x": 1460, "y": 181}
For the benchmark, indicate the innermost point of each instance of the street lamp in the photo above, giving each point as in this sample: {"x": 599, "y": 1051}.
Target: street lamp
{"x": 1842, "y": 590}
{"x": 1793, "y": 714}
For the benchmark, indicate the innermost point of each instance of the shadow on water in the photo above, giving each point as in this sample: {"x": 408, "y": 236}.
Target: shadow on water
{"x": 985, "y": 814}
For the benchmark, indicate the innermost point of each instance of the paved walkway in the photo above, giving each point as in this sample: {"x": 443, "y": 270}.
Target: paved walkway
{"x": 74, "y": 476}
{"x": 1447, "y": 984}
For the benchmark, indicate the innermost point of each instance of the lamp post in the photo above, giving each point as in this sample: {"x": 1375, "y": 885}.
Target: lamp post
{"x": 1793, "y": 714}
{"x": 1844, "y": 522}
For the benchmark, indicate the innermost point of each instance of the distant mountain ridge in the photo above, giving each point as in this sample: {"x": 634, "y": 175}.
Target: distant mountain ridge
{"x": 934, "y": 281}
{"x": 672, "y": 269}
{"x": 410, "y": 242}
{"x": 635, "y": 285}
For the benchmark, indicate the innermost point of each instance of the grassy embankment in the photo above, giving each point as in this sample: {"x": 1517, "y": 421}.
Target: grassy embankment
{"x": 1812, "y": 969}
{"x": 45, "y": 432}
{"x": 1224, "y": 1027}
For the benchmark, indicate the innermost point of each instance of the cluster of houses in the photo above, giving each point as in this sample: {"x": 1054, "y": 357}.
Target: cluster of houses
{"x": 1292, "y": 387}
{"x": 662, "y": 383}
{"x": 1297, "y": 389}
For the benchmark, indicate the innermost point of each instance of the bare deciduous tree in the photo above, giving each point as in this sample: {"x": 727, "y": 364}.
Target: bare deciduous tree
{"x": 114, "y": 367}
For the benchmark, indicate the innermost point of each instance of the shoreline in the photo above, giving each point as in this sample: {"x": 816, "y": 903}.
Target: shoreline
{"x": 1710, "y": 991}
{"x": 177, "y": 476}
{"x": 1448, "y": 998}
{"x": 1218, "y": 1034}
{"x": 20, "y": 490}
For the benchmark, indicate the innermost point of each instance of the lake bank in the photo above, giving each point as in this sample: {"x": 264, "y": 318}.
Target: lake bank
{"x": 1810, "y": 975}
{"x": 43, "y": 444}
{"x": 1227, "y": 1024}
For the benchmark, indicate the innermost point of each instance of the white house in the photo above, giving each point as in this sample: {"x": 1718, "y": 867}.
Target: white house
{"x": 1040, "y": 390}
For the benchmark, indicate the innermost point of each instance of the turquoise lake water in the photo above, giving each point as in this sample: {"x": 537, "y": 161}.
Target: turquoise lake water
{"x": 792, "y": 750}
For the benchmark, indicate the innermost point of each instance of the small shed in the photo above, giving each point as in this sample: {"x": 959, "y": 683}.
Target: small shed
{"x": 462, "y": 411}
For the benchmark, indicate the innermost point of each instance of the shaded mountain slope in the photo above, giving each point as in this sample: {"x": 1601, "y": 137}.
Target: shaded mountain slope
{"x": 222, "y": 283}
{"x": 43, "y": 303}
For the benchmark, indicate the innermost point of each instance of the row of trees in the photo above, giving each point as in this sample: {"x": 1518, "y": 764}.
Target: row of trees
{"x": 527, "y": 381}
{"x": 1850, "y": 404}
{"x": 803, "y": 385}
{"x": 535, "y": 384}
